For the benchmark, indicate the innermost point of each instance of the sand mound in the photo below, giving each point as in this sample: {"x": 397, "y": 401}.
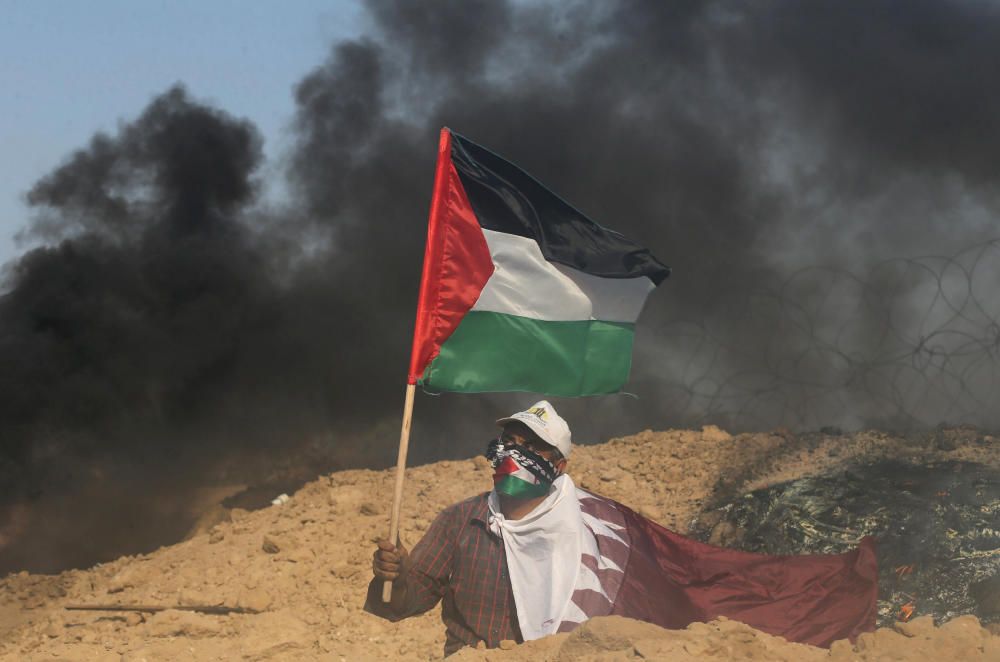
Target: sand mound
{"x": 611, "y": 638}
{"x": 305, "y": 565}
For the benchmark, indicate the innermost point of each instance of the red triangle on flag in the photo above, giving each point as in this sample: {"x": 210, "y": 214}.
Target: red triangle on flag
{"x": 457, "y": 264}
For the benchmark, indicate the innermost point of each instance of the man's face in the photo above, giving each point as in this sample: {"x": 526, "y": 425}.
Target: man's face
{"x": 515, "y": 432}
{"x": 525, "y": 467}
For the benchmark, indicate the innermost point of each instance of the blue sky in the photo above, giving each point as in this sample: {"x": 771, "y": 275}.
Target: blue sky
{"x": 71, "y": 68}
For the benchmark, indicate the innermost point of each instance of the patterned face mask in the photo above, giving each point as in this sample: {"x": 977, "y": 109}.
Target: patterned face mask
{"x": 518, "y": 471}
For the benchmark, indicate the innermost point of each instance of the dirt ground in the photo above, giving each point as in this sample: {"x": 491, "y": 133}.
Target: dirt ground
{"x": 305, "y": 565}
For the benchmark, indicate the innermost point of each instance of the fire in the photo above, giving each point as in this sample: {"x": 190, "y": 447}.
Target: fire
{"x": 904, "y": 570}
{"x": 906, "y": 611}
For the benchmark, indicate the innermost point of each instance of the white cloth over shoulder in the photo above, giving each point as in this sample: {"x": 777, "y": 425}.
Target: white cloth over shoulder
{"x": 543, "y": 556}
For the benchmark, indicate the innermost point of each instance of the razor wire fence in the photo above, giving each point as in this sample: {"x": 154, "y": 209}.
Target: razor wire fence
{"x": 908, "y": 343}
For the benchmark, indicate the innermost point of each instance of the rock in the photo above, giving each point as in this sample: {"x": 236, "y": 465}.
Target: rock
{"x": 344, "y": 570}
{"x": 216, "y": 535}
{"x": 606, "y": 634}
{"x": 256, "y": 599}
{"x": 507, "y": 644}
{"x": 865, "y": 642}
{"x": 369, "y": 508}
{"x": 699, "y": 628}
{"x": 349, "y": 496}
{"x": 922, "y": 626}
{"x": 842, "y": 650}
{"x": 270, "y": 545}
{"x": 121, "y": 581}
{"x": 55, "y": 590}
{"x": 715, "y": 434}
{"x": 189, "y": 596}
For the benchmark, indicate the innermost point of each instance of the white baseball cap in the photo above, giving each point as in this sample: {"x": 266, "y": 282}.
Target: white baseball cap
{"x": 543, "y": 420}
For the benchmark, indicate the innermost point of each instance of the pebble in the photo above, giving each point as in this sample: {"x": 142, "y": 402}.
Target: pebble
{"x": 256, "y": 599}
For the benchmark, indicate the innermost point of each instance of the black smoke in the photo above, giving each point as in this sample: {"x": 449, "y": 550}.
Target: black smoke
{"x": 172, "y": 325}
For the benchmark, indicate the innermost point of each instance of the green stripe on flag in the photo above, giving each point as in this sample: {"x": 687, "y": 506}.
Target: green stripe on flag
{"x": 519, "y": 489}
{"x": 499, "y": 352}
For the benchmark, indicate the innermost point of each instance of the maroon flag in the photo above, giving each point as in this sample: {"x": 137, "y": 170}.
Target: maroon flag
{"x": 652, "y": 574}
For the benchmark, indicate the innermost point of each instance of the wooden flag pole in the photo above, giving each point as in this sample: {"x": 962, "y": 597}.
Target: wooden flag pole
{"x": 397, "y": 498}
{"x": 425, "y": 330}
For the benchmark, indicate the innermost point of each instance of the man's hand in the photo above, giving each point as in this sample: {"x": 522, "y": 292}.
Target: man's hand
{"x": 389, "y": 564}
{"x": 389, "y": 561}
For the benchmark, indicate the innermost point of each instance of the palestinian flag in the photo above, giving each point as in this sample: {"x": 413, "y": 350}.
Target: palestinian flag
{"x": 520, "y": 291}
{"x": 512, "y": 479}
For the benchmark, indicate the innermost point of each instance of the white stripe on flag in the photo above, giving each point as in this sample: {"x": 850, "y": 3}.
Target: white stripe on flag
{"x": 603, "y": 528}
{"x": 526, "y": 284}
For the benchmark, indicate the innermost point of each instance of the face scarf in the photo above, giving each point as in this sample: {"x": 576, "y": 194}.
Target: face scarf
{"x": 519, "y": 472}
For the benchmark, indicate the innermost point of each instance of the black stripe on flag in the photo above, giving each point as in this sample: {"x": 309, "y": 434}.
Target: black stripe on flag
{"x": 507, "y": 199}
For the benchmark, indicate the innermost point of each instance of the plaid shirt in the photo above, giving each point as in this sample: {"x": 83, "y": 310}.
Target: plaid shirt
{"x": 460, "y": 562}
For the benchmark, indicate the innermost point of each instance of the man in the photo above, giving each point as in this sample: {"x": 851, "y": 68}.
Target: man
{"x": 462, "y": 558}
{"x": 537, "y": 556}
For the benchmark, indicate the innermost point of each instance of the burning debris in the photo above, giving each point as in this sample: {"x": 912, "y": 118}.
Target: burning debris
{"x": 937, "y": 526}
